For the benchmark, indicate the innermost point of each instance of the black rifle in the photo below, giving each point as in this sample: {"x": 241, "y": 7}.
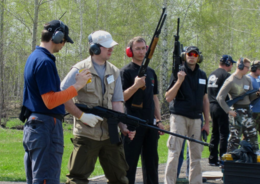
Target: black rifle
{"x": 177, "y": 60}
{"x": 235, "y": 100}
{"x": 114, "y": 117}
{"x": 176, "y": 53}
{"x": 138, "y": 96}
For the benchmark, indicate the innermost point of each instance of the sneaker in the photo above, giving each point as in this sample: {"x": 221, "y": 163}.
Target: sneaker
{"x": 204, "y": 180}
{"x": 216, "y": 164}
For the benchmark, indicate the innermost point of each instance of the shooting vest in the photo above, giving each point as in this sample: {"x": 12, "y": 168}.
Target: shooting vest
{"x": 91, "y": 95}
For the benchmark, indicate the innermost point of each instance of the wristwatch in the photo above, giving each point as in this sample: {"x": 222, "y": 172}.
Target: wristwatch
{"x": 157, "y": 122}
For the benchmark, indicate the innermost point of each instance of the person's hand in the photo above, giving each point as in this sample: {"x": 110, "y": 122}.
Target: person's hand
{"x": 125, "y": 132}
{"x": 82, "y": 79}
{"x": 232, "y": 113}
{"x": 258, "y": 93}
{"x": 206, "y": 128}
{"x": 90, "y": 119}
{"x": 181, "y": 76}
{"x": 160, "y": 125}
{"x": 139, "y": 82}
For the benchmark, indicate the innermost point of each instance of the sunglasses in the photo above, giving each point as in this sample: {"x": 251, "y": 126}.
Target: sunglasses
{"x": 193, "y": 54}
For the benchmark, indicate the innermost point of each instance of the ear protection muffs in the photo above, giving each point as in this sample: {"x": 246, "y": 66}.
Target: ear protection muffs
{"x": 227, "y": 62}
{"x": 253, "y": 67}
{"x": 129, "y": 52}
{"x": 58, "y": 34}
{"x": 200, "y": 58}
{"x": 241, "y": 64}
{"x": 94, "y": 48}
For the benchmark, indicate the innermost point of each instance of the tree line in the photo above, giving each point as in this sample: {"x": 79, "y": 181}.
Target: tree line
{"x": 216, "y": 27}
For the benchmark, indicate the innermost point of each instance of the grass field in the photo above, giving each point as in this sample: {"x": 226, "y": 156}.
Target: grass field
{"x": 12, "y": 152}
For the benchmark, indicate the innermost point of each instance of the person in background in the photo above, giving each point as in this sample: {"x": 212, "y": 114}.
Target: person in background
{"x": 255, "y": 79}
{"x": 240, "y": 115}
{"x": 220, "y": 125}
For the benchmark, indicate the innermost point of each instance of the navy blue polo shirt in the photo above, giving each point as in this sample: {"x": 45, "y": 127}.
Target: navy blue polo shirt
{"x": 40, "y": 77}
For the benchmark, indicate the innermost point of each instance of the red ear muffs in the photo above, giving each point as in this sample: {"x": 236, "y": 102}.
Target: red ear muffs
{"x": 129, "y": 53}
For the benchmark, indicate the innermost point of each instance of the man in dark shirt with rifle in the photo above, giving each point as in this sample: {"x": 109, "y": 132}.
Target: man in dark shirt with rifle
{"x": 189, "y": 96}
{"x": 146, "y": 140}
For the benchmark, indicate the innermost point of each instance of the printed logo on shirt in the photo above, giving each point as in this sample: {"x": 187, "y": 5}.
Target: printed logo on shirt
{"x": 152, "y": 80}
{"x": 212, "y": 81}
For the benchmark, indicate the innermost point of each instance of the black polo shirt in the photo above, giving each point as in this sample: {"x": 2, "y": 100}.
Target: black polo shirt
{"x": 128, "y": 74}
{"x": 215, "y": 82}
{"x": 189, "y": 99}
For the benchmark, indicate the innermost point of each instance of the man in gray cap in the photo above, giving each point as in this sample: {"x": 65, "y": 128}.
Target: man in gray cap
{"x": 43, "y": 106}
{"x": 220, "y": 125}
{"x": 91, "y": 139}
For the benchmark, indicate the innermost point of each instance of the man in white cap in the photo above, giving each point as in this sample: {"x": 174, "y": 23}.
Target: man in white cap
{"x": 91, "y": 138}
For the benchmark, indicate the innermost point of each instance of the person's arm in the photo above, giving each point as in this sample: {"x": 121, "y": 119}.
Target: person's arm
{"x": 172, "y": 92}
{"x": 222, "y": 94}
{"x": 206, "y": 113}
{"x": 157, "y": 112}
{"x": 129, "y": 92}
{"x": 53, "y": 99}
{"x": 118, "y": 106}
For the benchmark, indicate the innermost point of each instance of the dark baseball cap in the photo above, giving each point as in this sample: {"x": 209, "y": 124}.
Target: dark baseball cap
{"x": 57, "y": 25}
{"x": 226, "y": 58}
{"x": 192, "y": 48}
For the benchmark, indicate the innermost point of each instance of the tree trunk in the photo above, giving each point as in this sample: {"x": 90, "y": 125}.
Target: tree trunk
{"x": 35, "y": 23}
{"x": 81, "y": 29}
{"x": 2, "y": 106}
{"x": 164, "y": 67}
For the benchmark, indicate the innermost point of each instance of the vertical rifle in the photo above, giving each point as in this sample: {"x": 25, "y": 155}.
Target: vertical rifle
{"x": 176, "y": 53}
{"x": 138, "y": 96}
{"x": 177, "y": 60}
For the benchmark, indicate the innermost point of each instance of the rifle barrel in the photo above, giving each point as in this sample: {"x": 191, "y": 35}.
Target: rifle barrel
{"x": 178, "y": 135}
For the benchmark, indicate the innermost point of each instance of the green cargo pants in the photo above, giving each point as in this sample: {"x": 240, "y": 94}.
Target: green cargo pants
{"x": 244, "y": 124}
{"x": 84, "y": 156}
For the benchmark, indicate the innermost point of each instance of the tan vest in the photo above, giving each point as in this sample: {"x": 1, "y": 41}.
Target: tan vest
{"x": 91, "y": 95}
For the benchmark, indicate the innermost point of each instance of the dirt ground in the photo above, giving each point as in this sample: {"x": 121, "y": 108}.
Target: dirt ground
{"x": 139, "y": 178}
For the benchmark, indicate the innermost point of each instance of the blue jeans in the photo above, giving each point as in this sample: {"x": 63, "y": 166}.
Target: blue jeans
{"x": 43, "y": 145}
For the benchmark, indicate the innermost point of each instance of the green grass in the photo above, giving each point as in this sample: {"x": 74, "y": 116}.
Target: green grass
{"x": 12, "y": 152}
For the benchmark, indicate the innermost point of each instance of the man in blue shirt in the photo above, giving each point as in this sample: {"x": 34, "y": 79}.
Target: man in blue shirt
{"x": 43, "y": 106}
{"x": 255, "y": 105}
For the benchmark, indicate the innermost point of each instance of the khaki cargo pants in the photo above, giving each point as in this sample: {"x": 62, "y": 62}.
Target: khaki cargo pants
{"x": 84, "y": 156}
{"x": 187, "y": 127}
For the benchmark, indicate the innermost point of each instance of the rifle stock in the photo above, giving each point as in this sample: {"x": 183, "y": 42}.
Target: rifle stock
{"x": 114, "y": 117}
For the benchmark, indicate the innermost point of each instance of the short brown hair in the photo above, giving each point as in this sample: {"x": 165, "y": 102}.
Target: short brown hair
{"x": 246, "y": 60}
{"x": 46, "y": 36}
{"x": 135, "y": 39}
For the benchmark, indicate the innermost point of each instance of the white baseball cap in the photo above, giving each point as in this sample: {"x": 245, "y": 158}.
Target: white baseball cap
{"x": 103, "y": 38}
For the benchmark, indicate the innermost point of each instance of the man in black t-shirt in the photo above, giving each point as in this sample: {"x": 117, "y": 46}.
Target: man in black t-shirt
{"x": 220, "y": 125}
{"x": 146, "y": 140}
